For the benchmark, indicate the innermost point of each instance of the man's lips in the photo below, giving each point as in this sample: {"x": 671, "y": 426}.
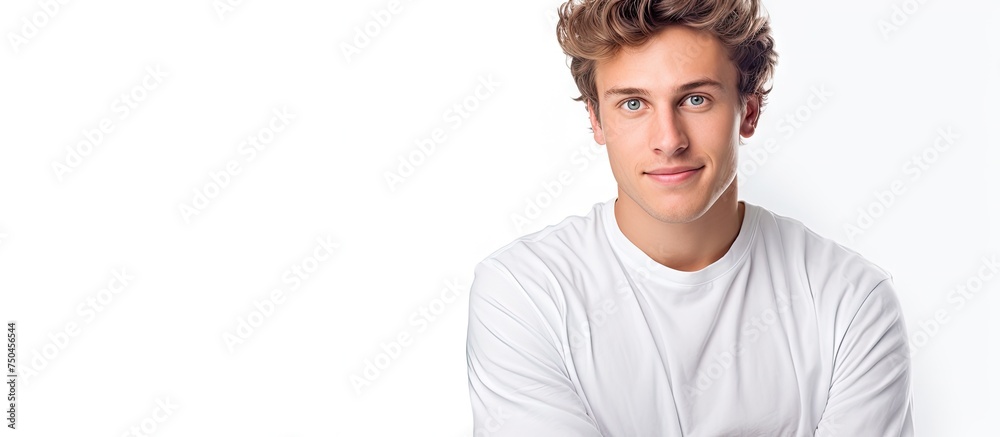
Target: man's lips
{"x": 673, "y": 175}
{"x": 673, "y": 170}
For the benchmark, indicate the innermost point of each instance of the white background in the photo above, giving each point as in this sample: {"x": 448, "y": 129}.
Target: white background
{"x": 162, "y": 338}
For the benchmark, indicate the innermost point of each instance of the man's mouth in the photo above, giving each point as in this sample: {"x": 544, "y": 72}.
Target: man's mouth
{"x": 674, "y": 175}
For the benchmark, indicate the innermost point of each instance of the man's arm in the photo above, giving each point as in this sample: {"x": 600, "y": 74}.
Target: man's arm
{"x": 517, "y": 378}
{"x": 870, "y": 394}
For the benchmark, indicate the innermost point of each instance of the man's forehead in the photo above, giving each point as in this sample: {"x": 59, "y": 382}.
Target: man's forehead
{"x": 668, "y": 62}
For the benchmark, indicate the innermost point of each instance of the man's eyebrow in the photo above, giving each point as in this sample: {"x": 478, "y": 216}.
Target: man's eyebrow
{"x": 629, "y": 91}
{"x": 632, "y": 91}
{"x": 700, "y": 83}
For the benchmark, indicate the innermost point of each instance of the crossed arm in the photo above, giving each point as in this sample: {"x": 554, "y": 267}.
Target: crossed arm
{"x": 517, "y": 380}
{"x": 519, "y": 385}
{"x": 870, "y": 394}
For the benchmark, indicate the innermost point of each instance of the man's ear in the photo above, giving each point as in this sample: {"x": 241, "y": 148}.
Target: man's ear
{"x": 595, "y": 125}
{"x": 751, "y": 114}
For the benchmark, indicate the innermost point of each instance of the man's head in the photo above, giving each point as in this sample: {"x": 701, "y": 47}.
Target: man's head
{"x": 670, "y": 85}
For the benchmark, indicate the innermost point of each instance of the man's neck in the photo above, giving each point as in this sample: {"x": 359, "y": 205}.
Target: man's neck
{"x": 688, "y": 246}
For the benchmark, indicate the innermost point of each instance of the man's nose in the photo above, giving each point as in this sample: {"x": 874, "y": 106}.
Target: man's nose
{"x": 669, "y": 134}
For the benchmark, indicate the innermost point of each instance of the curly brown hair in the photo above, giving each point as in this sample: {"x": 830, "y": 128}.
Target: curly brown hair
{"x": 594, "y": 30}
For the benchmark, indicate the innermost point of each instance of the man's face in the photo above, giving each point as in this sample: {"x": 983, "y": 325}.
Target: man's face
{"x": 669, "y": 105}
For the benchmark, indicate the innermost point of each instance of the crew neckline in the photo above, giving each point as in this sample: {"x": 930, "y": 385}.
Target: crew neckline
{"x": 654, "y": 271}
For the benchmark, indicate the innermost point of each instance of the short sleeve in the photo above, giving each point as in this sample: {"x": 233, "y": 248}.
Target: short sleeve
{"x": 870, "y": 394}
{"x": 518, "y": 382}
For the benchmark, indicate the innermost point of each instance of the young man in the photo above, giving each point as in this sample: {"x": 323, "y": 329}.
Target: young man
{"x": 676, "y": 309}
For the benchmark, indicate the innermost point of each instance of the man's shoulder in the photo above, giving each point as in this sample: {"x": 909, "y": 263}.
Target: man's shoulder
{"x": 563, "y": 249}
{"x": 553, "y": 242}
{"x": 825, "y": 261}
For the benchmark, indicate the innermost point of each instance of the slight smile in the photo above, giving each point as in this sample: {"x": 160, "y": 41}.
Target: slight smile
{"x": 673, "y": 176}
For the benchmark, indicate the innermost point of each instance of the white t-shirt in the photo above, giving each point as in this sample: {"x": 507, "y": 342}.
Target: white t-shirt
{"x": 574, "y": 331}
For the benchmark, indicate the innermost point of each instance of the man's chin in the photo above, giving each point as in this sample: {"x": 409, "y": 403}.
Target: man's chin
{"x": 675, "y": 209}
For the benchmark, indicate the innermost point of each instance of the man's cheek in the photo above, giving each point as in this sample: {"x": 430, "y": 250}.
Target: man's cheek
{"x": 623, "y": 134}
{"x": 611, "y": 132}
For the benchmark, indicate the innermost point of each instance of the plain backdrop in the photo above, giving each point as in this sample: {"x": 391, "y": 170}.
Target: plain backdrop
{"x": 414, "y": 139}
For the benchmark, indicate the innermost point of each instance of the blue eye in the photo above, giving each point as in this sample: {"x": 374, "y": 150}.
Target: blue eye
{"x": 697, "y": 100}
{"x": 633, "y": 104}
